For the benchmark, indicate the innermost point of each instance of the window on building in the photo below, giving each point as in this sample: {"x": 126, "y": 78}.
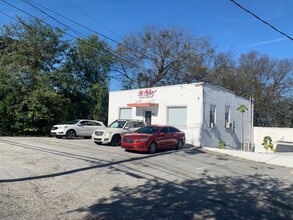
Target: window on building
{"x": 177, "y": 116}
{"x": 125, "y": 113}
{"x": 227, "y": 117}
{"x": 212, "y": 116}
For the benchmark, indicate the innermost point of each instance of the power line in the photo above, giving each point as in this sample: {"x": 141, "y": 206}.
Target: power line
{"x": 26, "y": 24}
{"x": 64, "y": 32}
{"x": 29, "y": 2}
{"x": 63, "y": 24}
{"x": 254, "y": 15}
{"x": 95, "y": 20}
{"x": 33, "y": 4}
{"x": 76, "y": 32}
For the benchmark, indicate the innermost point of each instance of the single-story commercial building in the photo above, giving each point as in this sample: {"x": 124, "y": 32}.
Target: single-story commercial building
{"x": 206, "y": 113}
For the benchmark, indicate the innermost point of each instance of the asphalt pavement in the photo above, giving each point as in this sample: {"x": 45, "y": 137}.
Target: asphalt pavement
{"x": 44, "y": 178}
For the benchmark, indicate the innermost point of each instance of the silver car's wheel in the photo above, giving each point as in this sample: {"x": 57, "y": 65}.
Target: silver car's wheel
{"x": 180, "y": 144}
{"x": 116, "y": 140}
{"x": 70, "y": 134}
{"x": 153, "y": 147}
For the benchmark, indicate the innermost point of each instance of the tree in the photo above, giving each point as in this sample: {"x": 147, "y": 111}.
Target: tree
{"x": 30, "y": 51}
{"x": 48, "y": 80}
{"x": 268, "y": 81}
{"x": 242, "y": 109}
{"x": 162, "y": 56}
{"x": 9, "y": 96}
{"x": 35, "y": 48}
{"x": 99, "y": 96}
{"x": 223, "y": 71}
{"x": 86, "y": 77}
{"x": 283, "y": 113}
{"x": 89, "y": 61}
{"x": 38, "y": 111}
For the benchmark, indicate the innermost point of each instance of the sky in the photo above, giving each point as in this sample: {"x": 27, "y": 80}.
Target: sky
{"x": 229, "y": 27}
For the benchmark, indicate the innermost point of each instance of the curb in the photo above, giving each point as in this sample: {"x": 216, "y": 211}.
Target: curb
{"x": 278, "y": 159}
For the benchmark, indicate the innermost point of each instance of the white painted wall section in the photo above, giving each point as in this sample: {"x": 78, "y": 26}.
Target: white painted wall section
{"x": 196, "y": 98}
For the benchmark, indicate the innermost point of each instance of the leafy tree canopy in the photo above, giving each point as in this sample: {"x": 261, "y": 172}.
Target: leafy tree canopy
{"x": 46, "y": 79}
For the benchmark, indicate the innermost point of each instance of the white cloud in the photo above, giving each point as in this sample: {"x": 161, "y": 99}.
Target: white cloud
{"x": 265, "y": 42}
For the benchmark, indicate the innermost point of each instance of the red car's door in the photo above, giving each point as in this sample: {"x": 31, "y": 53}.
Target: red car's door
{"x": 164, "y": 138}
{"x": 175, "y": 135}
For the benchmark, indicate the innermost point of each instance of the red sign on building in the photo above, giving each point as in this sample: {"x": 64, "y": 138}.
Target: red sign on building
{"x": 148, "y": 93}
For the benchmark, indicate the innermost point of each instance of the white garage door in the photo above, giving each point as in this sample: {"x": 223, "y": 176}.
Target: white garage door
{"x": 125, "y": 113}
{"x": 177, "y": 116}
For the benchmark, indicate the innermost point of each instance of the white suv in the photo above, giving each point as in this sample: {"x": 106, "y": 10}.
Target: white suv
{"x": 78, "y": 127}
{"x": 113, "y": 133}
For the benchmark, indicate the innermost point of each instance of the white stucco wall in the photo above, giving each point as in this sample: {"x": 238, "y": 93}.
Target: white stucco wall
{"x": 221, "y": 98}
{"x": 189, "y": 95}
{"x": 277, "y": 134}
{"x": 197, "y": 97}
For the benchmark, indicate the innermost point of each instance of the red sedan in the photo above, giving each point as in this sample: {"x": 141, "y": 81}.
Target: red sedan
{"x": 153, "y": 137}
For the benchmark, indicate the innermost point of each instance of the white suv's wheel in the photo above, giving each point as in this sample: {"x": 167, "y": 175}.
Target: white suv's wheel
{"x": 70, "y": 134}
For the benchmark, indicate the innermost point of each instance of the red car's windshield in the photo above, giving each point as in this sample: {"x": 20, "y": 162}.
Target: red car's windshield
{"x": 148, "y": 130}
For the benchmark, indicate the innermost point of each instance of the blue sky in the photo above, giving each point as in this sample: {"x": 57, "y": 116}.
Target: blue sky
{"x": 228, "y": 26}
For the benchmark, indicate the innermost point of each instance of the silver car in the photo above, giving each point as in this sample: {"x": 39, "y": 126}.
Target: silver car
{"x": 77, "y": 127}
{"x": 114, "y": 132}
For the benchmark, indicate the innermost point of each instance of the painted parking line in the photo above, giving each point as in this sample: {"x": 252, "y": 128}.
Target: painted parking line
{"x": 288, "y": 175}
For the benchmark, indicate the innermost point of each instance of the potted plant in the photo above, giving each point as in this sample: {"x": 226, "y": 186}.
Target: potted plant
{"x": 267, "y": 143}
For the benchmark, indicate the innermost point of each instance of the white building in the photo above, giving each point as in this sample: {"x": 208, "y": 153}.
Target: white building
{"x": 206, "y": 113}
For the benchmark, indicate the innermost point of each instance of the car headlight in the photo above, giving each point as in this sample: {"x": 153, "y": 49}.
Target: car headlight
{"x": 142, "y": 140}
{"x": 108, "y": 133}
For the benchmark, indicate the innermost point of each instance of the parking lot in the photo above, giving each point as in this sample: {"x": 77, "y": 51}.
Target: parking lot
{"x": 49, "y": 178}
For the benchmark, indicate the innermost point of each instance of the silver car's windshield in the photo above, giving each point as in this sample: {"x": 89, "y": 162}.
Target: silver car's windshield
{"x": 117, "y": 124}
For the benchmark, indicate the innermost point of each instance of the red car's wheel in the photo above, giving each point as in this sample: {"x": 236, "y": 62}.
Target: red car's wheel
{"x": 153, "y": 147}
{"x": 180, "y": 144}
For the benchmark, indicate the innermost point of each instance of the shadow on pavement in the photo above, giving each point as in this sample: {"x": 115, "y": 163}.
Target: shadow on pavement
{"x": 248, "y": 197}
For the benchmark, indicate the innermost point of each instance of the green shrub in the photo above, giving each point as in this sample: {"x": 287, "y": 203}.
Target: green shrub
{"x": 267, "y": 143}
{"x": 222, "y": 144}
